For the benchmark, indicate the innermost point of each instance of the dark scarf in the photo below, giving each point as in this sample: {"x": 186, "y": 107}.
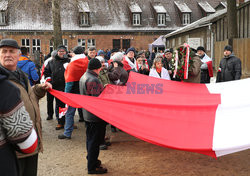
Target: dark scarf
{"x": 18, "y": 76}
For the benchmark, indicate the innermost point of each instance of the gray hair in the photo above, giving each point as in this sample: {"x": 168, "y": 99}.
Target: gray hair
{"x": 157, "y": 59}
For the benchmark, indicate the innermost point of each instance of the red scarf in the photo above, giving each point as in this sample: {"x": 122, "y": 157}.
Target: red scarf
{"x": 158, "y": 70}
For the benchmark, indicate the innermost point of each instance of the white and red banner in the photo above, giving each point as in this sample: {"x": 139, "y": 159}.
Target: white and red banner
{"x": 211, "y": 119}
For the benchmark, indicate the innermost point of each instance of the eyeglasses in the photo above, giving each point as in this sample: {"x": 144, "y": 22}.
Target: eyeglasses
{"x": 62, "y": 51}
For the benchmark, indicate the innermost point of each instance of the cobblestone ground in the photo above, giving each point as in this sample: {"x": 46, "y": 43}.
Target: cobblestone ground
{"x": 128, "y": 156}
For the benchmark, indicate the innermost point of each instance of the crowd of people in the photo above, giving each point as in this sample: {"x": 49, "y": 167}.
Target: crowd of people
{"x": 79, "y": 72}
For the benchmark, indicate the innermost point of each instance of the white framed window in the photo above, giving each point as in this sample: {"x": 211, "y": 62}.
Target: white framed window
{"x": 84, "y": 18}
{"x": 26, "y": 43}
{"x": 2, "y": 17}
{"x": 91, "y": 43}
{"x": 65, "y": 43}
{"x": 136, "y": 19}
{"x": 186, "y": 18}
{"x": 51, "y": 46}
{"x": 161, "y": 19}
{"x": 82, "y": 43}
{"x": 36, "y": 45}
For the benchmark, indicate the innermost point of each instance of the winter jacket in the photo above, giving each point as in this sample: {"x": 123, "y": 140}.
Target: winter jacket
{"x": 30, "y": 98}
{"x": 28, "y": 67}
{"x": 103, "y": 77}
{"x": 164, "y": 73}
{"x": 91, "y": 86}
{"x": 118, "y": 75}
{"x": 230, "y": 68}
{"x": 206, "y": 68}
{"x": 13, "y": 117}
{"x": 194, "y": 76}
{"x": 54, "y": 72}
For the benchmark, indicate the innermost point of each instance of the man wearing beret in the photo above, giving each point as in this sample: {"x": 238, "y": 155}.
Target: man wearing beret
{"x": 9, "y": 55}
{"x": 230, "y": 66}
{"x": 95, "y": 127}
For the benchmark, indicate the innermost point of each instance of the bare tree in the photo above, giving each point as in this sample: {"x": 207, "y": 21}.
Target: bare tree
{"x": 56, "y": 18}
{"x": 231, "y": 21}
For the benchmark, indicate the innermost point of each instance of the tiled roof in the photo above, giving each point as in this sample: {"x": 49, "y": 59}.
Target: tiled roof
{"x": 159, "y": 8}
{"x": 105, "y": 15}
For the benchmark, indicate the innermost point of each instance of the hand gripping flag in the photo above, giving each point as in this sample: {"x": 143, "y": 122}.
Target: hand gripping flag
{"x": 211, "y": 119}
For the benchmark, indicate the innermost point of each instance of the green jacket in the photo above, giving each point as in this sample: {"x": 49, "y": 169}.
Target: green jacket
{"x": 103, "y": 77}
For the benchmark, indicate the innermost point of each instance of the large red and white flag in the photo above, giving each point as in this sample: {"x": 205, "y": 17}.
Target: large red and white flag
{"x": 211, "y": 119}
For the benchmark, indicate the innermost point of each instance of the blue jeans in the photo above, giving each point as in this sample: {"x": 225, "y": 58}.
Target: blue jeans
{"x": 69, "y": 121}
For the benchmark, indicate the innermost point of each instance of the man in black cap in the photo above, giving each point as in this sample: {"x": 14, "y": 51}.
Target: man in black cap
{"x": 95, "y": 127}
{"x": 206, "y": 67}
{"x": 54, "y": 73}
{"x": 9, "y": 55}
{"x": 230, "y": 66}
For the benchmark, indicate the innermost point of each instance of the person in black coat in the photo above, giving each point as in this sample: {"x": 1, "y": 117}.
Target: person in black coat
{"x": 95, "y": 127}
{"x": 54, "y": 73}
{"x": 230, "y": 66}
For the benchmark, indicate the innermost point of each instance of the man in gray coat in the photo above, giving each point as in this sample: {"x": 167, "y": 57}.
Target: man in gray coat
{"x": 95, "y": 127}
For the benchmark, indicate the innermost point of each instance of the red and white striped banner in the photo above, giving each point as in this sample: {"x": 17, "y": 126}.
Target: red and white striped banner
{"x": 211, "y": 119}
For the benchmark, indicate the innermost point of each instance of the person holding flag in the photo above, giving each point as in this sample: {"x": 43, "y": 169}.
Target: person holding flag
{"x": 74, "y": 71}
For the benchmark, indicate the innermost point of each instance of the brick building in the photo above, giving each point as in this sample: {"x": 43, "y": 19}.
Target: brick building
{"x": 104, "y": 24}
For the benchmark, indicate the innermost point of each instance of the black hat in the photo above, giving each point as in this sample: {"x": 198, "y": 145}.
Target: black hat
{"x": 201, "y": 48}
{"x": 78, "y": 50}
{"x": 94, "y": 64}
{"x": 9, "y": 42}
{"x": 61, "y": 47}
{"x": 130, "y": 49}
{"x": 228, "y": 48}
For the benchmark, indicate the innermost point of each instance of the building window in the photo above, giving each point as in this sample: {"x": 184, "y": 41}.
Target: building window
{"x": 36, "y": 45}
{"x": 81, "y": 42}
{"x": 161, "y": 19}
{"x": 2, "y": 17}
{"x": 84, "y": 19}
{"x": 136, "y": 19}
{"x": 125, "y": 43}
{"x": 117, "y": 43}
{"x": 186, "y": 18}
{"x": 65, "y": 43}
{"x": 91, "y": 43}
{"x": 51, "y": 47}
{"x": 26, "y": 43}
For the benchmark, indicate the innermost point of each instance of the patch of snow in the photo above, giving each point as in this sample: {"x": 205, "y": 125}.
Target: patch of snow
{"x": 135, "y": 8}
{"x": 3, "y": 5}
{"x": 83, "y": 7}
{"x": 182, "y": 6}
{"x": 206, "y": 7}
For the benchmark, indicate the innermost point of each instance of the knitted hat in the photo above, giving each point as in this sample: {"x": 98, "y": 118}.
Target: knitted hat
{"x": 130, "y": 49}
{"x": 94, "y": 64}
{"x": 100, "y": 52}
{"x": 117, "y": 57}
{"x": 201, "y": 48}
{"x": 9, "y": 42}
{"x": 228, "y": 48}
{"x": 78, "y": 50}
{"x": 61, "y": 47}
